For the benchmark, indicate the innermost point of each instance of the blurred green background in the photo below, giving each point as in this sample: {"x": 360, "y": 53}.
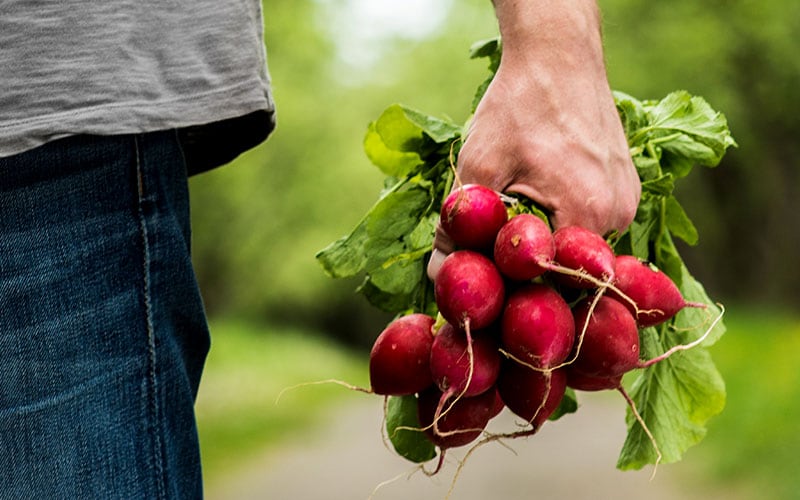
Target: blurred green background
{"x": 336, "y": 64}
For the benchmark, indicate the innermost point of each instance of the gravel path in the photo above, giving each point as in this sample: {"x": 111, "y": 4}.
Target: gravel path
{"x": 572, "y": 459}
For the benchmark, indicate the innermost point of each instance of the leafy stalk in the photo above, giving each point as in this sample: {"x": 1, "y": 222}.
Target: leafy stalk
{"x": 667, "y": 139}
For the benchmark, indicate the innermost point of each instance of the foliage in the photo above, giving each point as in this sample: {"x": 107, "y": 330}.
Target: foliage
{"x": 402, "y": 424}
{"x": 258, "y": 222}
{"x": 740, "y": 55}
{"x": 667, "y": 138}
{"x": 392, "y": 241}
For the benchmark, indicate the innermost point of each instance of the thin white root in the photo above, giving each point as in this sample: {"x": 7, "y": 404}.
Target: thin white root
{"x": 638, "y": 417}
{"x": 452, "y": 160}
{"x": 690, "y": 345}
{"x": 440, "y": 410}
{"x": 387, "y": 482}
{"x": 321, "y": 382}
{"x": 579, "y": 343}
{"x": 696, "y": 305}
{"x": 384, "y": 431}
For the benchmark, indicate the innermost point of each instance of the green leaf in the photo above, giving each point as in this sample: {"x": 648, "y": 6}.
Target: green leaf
{"x": 676, "y": 165}
{"x": 401, "y": 137}
{"x": 403, "y": 429}
{"x": 399, "y": 235}
{"x": 693, "y": 321}
{"x": 385, "y": 301}
{"x": 346, "y": 256}
{"x": 490, "y": 48}
{"x": 401, "y": 276}
{"x": 568, "y": 404}
{"x": 390, "y": 160}
{"x": 395, "y": 217}
{"x": 647, "y": 167}
{"x": 519, "y": 204}
{"x": 675, "y": 398}
{"x": 644, "y": 226}
{"x": 402, "y": 272}
{"x": 481, "y": 90}
{"x": 663, "y": 186}
{"x": 679, "y": 223}
{"x": 632, "y": 114}
{"x": 422, "y": 236}
{"x": 667, "y": 258}
{"x": 349, "y": 255}
{"x": 440, "y": 131}
{"x": 682, "y": 152}
{"x": 678, "y": 396}
{"x": 687, "y": 125}
{"x": 391, "y": 221}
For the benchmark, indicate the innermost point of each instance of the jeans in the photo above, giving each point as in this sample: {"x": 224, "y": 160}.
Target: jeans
{"x": 103, "y": 334}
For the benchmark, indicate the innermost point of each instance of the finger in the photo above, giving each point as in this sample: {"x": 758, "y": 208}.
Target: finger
{"x": 442, "y": 246}
{"x": 564, "y": 218}
{"x": 435, "y": 263}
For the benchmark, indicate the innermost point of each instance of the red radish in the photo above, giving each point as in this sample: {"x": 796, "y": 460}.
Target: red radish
{"x": 530, "y": 394}
{"x": 469, "y": 290}
{"x": 464, "y": 421}
{"x": 399, "y": 363}
{"x": 522, "y": 247}
{"x": 580, "y": 249}
{"x": 537, "y": 326}
{"x": 450, "y": 361}
{"x": 472, "y": 215}
{"x": 610, "y": 343}
{"x": 582, "y": 382}
{"x": 656, "y": 296}
{"x": 498, "y": 404}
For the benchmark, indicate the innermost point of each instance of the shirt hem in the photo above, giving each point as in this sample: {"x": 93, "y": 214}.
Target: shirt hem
{"x": 136, "y": 117}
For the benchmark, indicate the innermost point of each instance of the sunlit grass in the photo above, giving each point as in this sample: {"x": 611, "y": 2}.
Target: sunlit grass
{"x": 246, "y": 401}
{"x": 754, "y": 442}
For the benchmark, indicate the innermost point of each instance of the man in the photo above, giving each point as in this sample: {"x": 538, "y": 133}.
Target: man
{"x": 106, "y": 108}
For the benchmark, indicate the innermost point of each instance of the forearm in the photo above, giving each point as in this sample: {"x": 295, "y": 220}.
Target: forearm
{"x": 547, "y": 127}
{"x": 561, "y": 32}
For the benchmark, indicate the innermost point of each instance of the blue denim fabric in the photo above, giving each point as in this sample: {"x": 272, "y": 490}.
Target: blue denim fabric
{"x": 103, "y": 334}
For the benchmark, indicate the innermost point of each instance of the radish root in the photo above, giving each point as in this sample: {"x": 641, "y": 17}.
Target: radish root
{"x": 440, "y": 410}
{"x": 685, "y": 347}
{"x": 638, "y": 417}
{"x": 322, "y": 382}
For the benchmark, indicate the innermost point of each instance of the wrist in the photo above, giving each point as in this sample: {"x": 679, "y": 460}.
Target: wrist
{"x": 561, "y": 32}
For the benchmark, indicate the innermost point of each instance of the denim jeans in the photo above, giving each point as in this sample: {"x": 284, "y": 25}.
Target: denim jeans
{"x": 103, "y": 334}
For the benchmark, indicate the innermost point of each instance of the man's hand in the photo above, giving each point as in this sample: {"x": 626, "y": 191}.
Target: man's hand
{"x": 547, "y": 127}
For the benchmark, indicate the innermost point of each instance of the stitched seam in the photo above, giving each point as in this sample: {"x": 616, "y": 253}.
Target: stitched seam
{"x": 153, "y": 405}
{"x": 184, "y": 163}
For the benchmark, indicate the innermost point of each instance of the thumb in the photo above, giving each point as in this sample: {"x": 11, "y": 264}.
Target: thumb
{"x": 442, "y": 246}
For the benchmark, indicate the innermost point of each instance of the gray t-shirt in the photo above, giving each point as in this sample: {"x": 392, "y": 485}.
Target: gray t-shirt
{"x": 126, "y": 66}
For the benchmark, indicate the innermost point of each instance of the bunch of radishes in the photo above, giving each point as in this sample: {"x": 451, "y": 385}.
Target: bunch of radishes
{"x": 525, "y": 312}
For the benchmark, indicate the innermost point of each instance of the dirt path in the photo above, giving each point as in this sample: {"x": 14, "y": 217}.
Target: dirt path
{"x": 572, "y": 459}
